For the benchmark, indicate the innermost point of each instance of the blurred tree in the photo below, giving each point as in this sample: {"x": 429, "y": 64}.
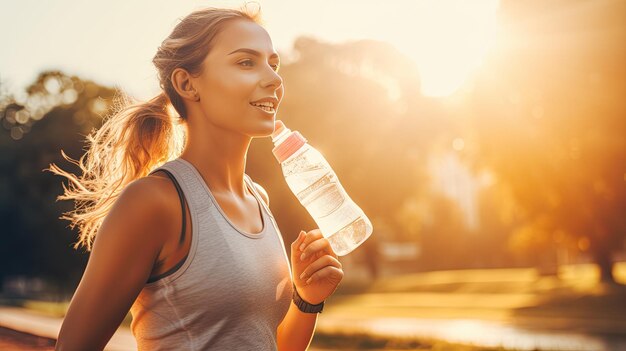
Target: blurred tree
{"x": 550, "y": 117}
{"x": 56, "y": 113}
{"x": 447, "y": 242}
{"x": 499, "y": 217}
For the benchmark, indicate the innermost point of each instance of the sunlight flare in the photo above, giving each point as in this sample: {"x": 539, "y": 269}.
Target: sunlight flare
{"x": 448, "y": 40}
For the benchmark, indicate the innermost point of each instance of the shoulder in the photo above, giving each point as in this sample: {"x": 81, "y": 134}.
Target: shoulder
{"x": 147, "y": 207}
{"x": 153, "y": 192}
{"x": 262, "y": 192}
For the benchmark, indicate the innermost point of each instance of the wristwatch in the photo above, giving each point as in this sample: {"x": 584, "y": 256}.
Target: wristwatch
{"x": 305, "y": 306}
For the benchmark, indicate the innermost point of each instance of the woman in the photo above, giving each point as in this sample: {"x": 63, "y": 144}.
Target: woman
{"x": 223, "y": 281}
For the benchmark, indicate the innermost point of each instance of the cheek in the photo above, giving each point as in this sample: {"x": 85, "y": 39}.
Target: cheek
{"x": 236, "y": 83}
{"x": 230, "y": 90}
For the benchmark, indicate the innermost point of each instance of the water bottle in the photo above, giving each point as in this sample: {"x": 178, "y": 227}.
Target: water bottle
{"x": 315, "y": 184}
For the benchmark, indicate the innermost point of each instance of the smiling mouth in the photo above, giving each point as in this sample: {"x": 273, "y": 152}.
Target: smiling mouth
{"x": 264, "y": 108}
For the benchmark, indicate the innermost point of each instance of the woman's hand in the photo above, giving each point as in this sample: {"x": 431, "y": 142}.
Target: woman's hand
{"x": 317, "y": 275}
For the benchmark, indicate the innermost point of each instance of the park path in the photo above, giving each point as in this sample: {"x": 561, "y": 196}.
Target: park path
{"x": 11, "y": 340}
{"x": 25, "y": 321}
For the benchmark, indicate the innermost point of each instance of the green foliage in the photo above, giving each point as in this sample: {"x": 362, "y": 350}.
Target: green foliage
{"x": 34, "y": 241}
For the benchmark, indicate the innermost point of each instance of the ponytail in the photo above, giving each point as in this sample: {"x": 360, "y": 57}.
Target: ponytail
{"x": 133, "y": 141}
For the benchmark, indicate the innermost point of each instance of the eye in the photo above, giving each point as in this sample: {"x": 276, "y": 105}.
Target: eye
{"x": 250, "y": 63}
{"x": 244, "y": 63}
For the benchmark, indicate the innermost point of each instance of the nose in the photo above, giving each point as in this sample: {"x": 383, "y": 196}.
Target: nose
{"x": 273, "y": 79}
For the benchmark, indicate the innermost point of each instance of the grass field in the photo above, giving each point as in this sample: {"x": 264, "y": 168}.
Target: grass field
{"x": 571, "y": 301}
{"x": 487, "y": 294}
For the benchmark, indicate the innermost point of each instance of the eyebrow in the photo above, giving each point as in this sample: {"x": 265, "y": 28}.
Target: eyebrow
{"x": 252, "y": 52}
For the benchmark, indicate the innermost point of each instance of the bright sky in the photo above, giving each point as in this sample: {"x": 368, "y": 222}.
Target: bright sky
{"x": 113, "y": 42}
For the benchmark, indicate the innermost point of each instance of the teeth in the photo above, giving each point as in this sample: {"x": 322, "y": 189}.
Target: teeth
{"x": 266, "y": 104}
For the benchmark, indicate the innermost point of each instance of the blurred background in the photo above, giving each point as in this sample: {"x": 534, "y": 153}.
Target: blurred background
{"x": 485, "y": 140}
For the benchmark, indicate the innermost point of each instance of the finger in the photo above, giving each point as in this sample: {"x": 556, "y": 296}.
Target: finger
{"x": 299, "y": 240}
{"x": 318, "y": 247}
{"x": 310, "y": 237}
{"x": 329, "y": 272}
{"x": 320, "y": 263}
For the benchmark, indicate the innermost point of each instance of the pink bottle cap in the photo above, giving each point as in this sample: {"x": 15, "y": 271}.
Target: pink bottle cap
{"x": 288, "y": 146}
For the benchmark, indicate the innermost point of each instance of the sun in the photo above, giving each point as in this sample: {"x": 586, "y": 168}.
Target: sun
{"x": 448, "y": 39}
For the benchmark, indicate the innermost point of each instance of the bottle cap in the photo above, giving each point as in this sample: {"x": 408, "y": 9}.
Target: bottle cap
{"x": 285, "y": 148}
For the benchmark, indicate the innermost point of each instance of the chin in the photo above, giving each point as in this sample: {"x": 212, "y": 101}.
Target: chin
{"x": 263, "y": 129}
{"x": 268, "y": 127}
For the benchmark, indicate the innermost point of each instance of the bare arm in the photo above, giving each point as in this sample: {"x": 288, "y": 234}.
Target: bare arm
{"x": 120, "y": 263}
{"x": 296, "y": 330}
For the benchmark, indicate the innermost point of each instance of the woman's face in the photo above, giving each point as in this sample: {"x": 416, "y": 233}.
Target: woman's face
{"x": 233, "y": 77}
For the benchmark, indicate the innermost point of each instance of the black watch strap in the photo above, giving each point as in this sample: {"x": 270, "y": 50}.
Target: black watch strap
{"x": 305, "y": 306}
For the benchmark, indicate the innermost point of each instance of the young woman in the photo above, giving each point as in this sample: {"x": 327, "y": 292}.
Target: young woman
{"x": 185, "y": 239}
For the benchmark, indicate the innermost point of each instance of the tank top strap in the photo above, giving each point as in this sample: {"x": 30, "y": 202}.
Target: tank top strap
{"x": 256, "y": 194}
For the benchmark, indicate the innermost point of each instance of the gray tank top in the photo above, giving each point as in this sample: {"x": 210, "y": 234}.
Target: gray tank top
{"x": 231, "y": 291}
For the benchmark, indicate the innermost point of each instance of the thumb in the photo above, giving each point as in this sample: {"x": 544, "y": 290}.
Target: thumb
{"x": 299, "y": 240}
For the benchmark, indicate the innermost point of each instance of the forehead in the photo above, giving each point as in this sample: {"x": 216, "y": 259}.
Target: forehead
{"x": 237, "y": 34}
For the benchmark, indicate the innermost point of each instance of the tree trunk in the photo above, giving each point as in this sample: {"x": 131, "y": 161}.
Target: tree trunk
{"x": 605, "y": 264}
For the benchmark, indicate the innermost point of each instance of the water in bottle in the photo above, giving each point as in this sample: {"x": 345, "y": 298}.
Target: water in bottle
{"x": 315, "y": 184}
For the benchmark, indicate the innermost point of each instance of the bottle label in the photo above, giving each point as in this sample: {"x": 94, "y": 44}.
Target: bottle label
{"x": 345, "y": 214}
{"x": 324, "y": 200}
{"x": 326, "y": 179}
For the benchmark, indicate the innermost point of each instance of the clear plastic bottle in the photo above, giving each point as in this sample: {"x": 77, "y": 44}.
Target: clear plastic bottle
{"x": 316, "y": 185}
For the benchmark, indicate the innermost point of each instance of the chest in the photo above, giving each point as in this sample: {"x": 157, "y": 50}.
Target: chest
{"x": 246, "y": 275}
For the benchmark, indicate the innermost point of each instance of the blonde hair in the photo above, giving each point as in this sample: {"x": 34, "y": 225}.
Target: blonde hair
{"x": 140, "y": 136}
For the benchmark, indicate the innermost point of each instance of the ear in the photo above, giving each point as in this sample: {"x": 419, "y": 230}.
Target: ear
{"x": 181, "y": 80}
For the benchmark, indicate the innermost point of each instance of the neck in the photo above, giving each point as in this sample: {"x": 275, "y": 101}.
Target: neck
{"x": 220, "y": 157}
